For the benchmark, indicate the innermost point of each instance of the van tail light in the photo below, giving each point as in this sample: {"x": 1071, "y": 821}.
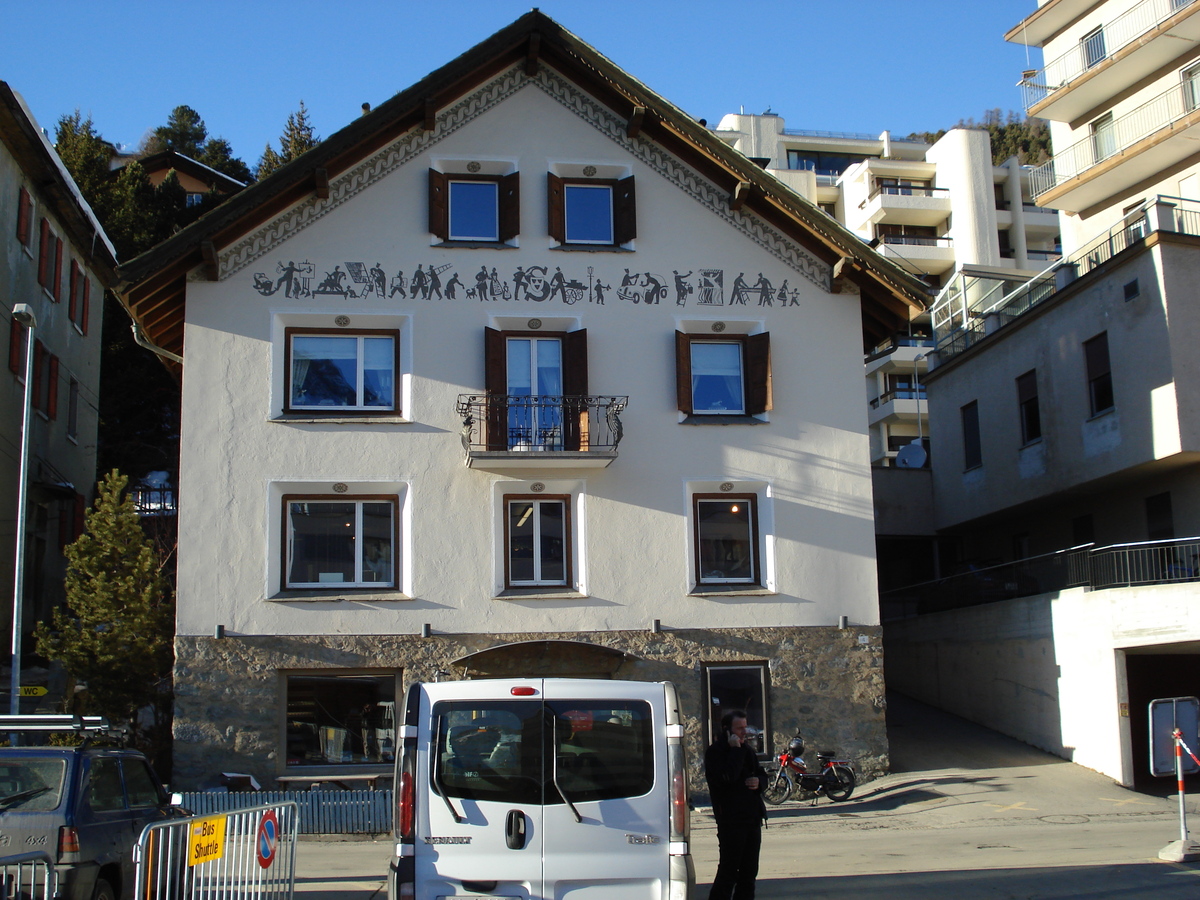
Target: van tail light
{"x": 677, "y": 772}
{"x": 68, "y": 845}
{"x": 405, "y": 809}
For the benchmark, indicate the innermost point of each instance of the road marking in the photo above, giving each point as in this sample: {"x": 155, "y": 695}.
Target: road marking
{"x": 1020, "y": 804}
{"x": 1127, "y": 800}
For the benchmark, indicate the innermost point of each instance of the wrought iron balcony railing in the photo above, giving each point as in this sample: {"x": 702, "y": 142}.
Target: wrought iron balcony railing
{"x": 500, "y": 423}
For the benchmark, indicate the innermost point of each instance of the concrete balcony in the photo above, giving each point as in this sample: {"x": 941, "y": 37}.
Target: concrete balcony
{"x": 503, "y": 432}
{"x": 907, "y": 205}
{"x": 898, "y": 406}
{"x": 1122, "y": 52}
{"x": 1134, "y": 147}
{"x": 919, "y": 255}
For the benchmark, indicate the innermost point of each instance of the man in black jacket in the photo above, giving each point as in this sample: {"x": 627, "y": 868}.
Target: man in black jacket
{"x": 736, "y": 781}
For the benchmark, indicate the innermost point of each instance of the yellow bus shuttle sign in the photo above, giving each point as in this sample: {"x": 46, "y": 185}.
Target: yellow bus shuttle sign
{"x": 206, "y": 840}
{"x": 34, "y": 690}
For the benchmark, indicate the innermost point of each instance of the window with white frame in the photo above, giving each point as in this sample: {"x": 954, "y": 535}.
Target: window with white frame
{"x": 596, "y": 212}
{"x": 728, "y": 375}
{"x": 348, "y": 541}
{"x": 345, "y": 371}
{"x": 474, "y": 207}
{"x": 537, "y": 540}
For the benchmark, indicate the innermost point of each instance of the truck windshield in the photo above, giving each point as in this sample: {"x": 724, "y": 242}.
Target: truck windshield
{"x": 499, "y": 750}
{"x": 31, "y": 784}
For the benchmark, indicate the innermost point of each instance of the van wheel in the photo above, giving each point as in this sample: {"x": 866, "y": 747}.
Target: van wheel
{"x": 103, "y": 891}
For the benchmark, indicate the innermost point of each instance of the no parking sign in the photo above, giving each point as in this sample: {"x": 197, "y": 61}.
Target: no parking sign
{"x": 267, "y": 838}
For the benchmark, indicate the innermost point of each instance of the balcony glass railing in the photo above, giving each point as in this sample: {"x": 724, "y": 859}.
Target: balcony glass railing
{"x": 909, "y": 190}
{"x": 916, "y": 240}
{"x": 1096, "y": 47}
{"x": 1117, "y": 135}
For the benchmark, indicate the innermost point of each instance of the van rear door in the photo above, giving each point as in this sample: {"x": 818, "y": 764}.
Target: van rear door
{"x": 605, "y": 831}
{"x": 481, "y": 781}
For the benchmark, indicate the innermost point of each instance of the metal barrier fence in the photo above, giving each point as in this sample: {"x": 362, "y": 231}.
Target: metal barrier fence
{"x": 29, "y": 876}
{"x": 319, "y": 812}
{"x": 249, "y": 854}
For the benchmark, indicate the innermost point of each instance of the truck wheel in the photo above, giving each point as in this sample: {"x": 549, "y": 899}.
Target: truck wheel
{"x": 103, "y": 891}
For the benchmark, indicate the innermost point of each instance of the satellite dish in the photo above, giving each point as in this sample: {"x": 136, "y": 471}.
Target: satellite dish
{"x": 911, "y": 457}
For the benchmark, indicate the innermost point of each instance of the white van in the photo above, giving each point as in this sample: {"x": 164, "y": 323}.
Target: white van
{"x": 541, "y": 788}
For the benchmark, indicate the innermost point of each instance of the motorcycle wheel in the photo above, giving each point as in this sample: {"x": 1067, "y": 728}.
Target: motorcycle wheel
{"x": 845, "y": 786}
{"x": 779, "y": 787}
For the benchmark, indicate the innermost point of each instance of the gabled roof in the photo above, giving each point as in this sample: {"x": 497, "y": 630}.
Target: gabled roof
{"x": 152, "y": 286}
{"x": 42, "y": 166}
{"x": 165, "y": 160}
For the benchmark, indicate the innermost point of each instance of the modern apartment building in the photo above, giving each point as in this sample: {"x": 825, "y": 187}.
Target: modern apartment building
{"x": 522, "y": 372}
{"x": 55, "y": 264}
{"x": 1065, "y": 414}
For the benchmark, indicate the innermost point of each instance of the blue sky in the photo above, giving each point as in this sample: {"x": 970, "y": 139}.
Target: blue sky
{"x": 244, "y": 65}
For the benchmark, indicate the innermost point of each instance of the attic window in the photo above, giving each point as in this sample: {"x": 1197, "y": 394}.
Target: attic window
{"x": 591, "y": 212}
{"x": 474, "y": 208}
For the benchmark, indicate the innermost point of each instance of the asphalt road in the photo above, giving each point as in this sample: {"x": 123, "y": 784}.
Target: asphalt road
{"x": 966, "y": 813}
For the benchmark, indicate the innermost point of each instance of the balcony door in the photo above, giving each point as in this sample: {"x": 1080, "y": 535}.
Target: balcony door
{"x": 1191, "y": 88}
{"x": 529, "y": 377}
{"x": 1104, "y": 137}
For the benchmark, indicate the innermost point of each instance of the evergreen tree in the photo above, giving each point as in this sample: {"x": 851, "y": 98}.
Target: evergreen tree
{"x": 217, "y": 154}
{"x": 1027, "y": 139}
{"x": 184, "y": 133}
{"x": 296, "y": 140}
{"x": 116, "y": 631}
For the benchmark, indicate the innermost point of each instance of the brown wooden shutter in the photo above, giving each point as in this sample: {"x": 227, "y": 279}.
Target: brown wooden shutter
{"x": 758, "y": 373}
{"x": 87, "y": 305}
{"x": 56, "y": 287}
{"x": 439, "y": 205}
{"x": 555, "y": 212}
{"x": 16, "y": 347}
{"x": 44, "y": 254}
{"x": 52, "y": 388}
{"x": 510, "y": 206}
{"x": 624, "y": 212}
{"x": 683, "y": 372}
{"x": 575, "y": 384}
{"x": 24, "y": 214}
{"x": 495, "y": 379}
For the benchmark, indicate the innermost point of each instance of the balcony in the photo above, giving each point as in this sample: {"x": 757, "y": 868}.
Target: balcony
{"x": 907, "y": 205}
{"x": 902, "y": 405}
{"x": 1123, "y": 152}
{"x": 542, "y": 432}
{"x": 1121, "y": 53}
{"x": 917, "y": 253}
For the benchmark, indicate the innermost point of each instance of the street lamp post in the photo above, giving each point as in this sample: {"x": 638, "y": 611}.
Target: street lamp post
{"x": 23, "y": 313}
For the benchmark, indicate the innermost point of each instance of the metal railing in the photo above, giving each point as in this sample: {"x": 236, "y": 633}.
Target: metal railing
{"x": 842, "y": 135}
{"x": 541, "y": 423}
{"x": 1087, "y": 566}
{"x": 29, "y": 876}
{"x": 898, "y": 394}
{"x": 1096, "y": 47}
{"x": 916, "y": 240}
{"x": 1154, "y": 115}
{"x": 909, "y": 190}
{"x": 318, "y": 811}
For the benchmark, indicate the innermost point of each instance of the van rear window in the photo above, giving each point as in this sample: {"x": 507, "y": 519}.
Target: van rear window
{"x": 514, "y": 751}
{"x": 31, "y": 785}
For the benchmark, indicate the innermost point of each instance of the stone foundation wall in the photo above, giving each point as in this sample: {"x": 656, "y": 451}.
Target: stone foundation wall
{"x": 229, "y": 693}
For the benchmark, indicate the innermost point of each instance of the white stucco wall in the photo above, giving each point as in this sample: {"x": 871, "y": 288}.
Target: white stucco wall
{"x": 808, "y": 464}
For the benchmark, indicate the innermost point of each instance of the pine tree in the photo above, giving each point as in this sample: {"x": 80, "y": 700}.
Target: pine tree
{"x": 296, "y": 140}
{"x": 1027, "y": 139}
{"x": 116, "y": 631}
{"x": 217, "y": 154}
{"x": 184, "y": 133}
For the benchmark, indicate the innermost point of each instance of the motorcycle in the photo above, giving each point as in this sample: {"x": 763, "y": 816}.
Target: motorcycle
{"x": 834, "y": 777}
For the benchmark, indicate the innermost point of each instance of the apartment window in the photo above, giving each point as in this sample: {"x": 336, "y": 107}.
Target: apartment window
{"x": 474, "y": 208}
{"x": 45, "y": 381}
{"x": 725, "y": 376}
{"x": 1104, "y": 137}
{"x": 1099, "y": 374}
{"x": 726, "y": 538}
{"x": 340, "y": 719}
{"x": 1027, "y": 402}
{"x": 347, "y": 542}
{"x": 537, "y": 540}
{"x": 738, "y": 687}
{"x": 1091, "y": 45}
{"x": 73, "y": 409}
{"x": 591, "y": 212}
{"x": 193, "y": 199}
{"x": 972, "y": 449}
{"x": 24, "y": 218}
{"x": 342, "y": 372}
{"x": 1132, "y": 292}
{"x": 1160, "y": 520}
{"x": 528, "y": 376}
{"x": 1191, "y": 87}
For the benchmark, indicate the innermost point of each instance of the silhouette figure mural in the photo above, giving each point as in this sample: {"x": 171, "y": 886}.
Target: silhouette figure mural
{"x": 531, "y": 284}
